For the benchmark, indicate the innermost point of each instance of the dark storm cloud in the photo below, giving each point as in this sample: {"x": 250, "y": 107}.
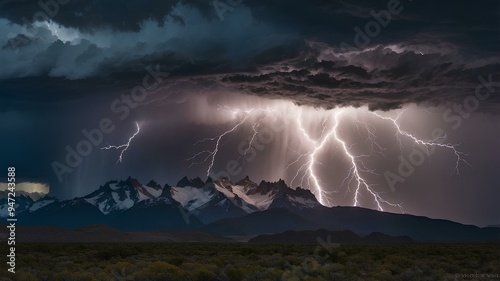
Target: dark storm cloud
{"x": 88, "y": 16}
{"x": 429, "y": 53}
{"x": 380, "y": 78}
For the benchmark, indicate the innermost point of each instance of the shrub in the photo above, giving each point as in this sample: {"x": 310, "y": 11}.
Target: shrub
{"x": 235, "y": 274}
{"x": 177, "y": 261}
{"x": 74, "y": 276}
{"x": 205, "y": 275}
{"x": 158, "y": 271}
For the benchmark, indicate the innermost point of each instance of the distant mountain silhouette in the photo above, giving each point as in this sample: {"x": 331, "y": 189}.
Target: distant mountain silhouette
{"x": 358, "y": 220}
{"x": 326, "y": 236}
{"x": 104, "y": 233}
{"x": 270, "y": 221}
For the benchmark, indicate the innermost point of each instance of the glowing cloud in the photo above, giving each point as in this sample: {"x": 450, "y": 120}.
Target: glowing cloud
{"x": 29, "y": 187}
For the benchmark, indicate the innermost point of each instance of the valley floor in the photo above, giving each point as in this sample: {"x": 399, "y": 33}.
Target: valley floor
{"x": 241, "y": 261}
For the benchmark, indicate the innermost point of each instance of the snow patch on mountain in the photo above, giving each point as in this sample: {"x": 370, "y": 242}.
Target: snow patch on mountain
{"x": 153, "y": 191}
{"x": 40, "y": 204}
{"x": 228, "y": 193}
{"x": 227, "y": 188}
{"x": 192, "y": 198}
{"x": 123, "y": 204}
{"x": 261, "y": 201}
{"x": 303, "y": 201}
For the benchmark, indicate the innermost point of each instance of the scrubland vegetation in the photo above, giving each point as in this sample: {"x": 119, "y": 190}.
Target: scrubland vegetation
{"x": 232, "y": 262}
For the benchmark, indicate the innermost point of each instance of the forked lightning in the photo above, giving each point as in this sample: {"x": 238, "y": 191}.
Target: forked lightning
{"x": 124, "y": 147}
{"x": 307, "y": 161}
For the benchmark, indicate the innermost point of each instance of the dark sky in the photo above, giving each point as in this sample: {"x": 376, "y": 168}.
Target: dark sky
{"x": 65, "y": 75}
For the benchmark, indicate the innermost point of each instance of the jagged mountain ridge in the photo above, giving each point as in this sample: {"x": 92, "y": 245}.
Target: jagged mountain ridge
{"x": 225, "y": 208}
{"x": 25, "y": 203}
{"x": 206, "y": 201}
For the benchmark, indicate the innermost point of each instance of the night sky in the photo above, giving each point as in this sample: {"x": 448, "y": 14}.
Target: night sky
{"x": 300, "y": 80}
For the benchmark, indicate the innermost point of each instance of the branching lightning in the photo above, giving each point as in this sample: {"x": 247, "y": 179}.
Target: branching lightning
{"x": 307, "y": 161}
{"x": 355, "y": 174}
{"x": 235, "y": 113}
{"x": 212, "y": 154}
{"x": 313, "y": 147}
{"x": 427, "y": 144}
{"x": 317, "y": 146}
{"x": 124, "y": 147}
{"x": 255, "y": 128}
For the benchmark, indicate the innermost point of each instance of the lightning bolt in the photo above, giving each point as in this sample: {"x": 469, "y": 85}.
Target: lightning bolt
{"x": 330, "y": 134}
{"x": 251, "y": 142}
{"x": 309, "y": 166}
{"x": 211, "y": 155}
{"x": 124, "y": 147}
{"x": 355, "y": 172}
{"x": 427, "y": 144}
{"x": 306, "y": 162}
{"x": 357, "y": 167}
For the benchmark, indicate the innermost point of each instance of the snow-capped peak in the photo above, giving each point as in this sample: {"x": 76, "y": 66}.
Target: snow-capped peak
{"x": 118, "y": 196}
{"x": 263, "y": 195}
{"x": 220, "y": 198}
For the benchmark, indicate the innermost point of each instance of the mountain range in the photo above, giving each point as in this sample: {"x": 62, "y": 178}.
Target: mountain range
{"x": 226, "y": 208}
{"x": 325, "y": 236}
